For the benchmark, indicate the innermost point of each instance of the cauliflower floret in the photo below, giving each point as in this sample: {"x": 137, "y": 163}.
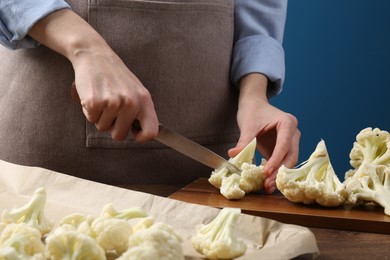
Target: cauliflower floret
{"x": 371, "y": 146}
{"x": 159, "y": 241}
{"x": 251, "y": 178}
{"x": 312, "y": 181}
{"x": 31, "y": 213}
{"x": 372, "y": 185}
{"x": 79, "y": 222}
{"x": 21, "y": 241}
{"x": 230, "y": 187}
{"x": 217, "y": 239}
{"x": 75, "y": 219}
{"x": 111, "y": 229}
{"x": 112, "y": 234}
{"x": 63, "y": 243}
{"x": 368, "y": 181}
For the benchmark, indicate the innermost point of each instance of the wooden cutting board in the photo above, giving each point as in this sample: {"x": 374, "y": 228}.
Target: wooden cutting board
{"x": 368, "y": 218}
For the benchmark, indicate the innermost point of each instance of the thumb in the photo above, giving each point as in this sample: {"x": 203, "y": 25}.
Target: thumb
{"x": 244, "y": 140}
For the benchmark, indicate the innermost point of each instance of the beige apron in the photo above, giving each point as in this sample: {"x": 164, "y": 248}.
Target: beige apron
{"x": 179, "y": 49}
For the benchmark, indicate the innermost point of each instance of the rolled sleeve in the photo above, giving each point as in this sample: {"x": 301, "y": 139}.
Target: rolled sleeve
{"x": 18, "y": 17}
{"x": 259, "y": 28}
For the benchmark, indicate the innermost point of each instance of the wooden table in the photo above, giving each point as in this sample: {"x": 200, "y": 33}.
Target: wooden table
{"x": 333, "y": 228}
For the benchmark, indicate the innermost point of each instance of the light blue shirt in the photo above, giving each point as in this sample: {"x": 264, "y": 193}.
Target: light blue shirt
{"x": 259, "y": 28}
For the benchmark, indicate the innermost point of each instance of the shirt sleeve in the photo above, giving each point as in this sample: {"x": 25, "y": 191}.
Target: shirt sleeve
{"x": 17, "y": 18}
{"x": 259, "y": 29}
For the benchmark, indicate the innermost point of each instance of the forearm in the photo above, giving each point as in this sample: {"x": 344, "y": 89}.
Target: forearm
{"x": 68, "y": 34}
{"x": 18, "y": 17}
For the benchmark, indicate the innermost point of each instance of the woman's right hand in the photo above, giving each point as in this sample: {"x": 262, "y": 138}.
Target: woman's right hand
{"x": 112, "y": 97}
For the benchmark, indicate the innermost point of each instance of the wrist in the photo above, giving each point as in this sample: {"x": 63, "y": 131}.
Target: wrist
{"x": 254, "y": 87}
{"x": 68, "y": 34}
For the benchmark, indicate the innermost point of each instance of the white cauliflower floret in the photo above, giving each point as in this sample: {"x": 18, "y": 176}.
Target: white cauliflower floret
{"x": 312, "y": 181}
{"x": 79, "y": 222}
{"x": 368, "y": 181}
{"x": 372, "y": 185}
{"x": 75, "y": 219}
{"x": 31, "y": 213}
{"x": 21, "y": 241}
{"x": 230, "y": 187}
{"x": 217, "y": 239}
{"x": 251, "y": 178}
{"x": 371, "y": 146}
{"x": 159, "y": 241}
{"x": 111, "y": 229}
{"x": 63, "y": 243}
{"x": 112, "y": 234}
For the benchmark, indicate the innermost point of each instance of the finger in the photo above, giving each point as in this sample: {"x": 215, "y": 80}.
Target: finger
{"x": 289, "y": 161}
{"x": 291, "y": 157}
{"x": 149, "y": 125}
{"x": 92, "y": 117}
{"x": 109, "y": 115}
{"x": 269, "y": 183}
{"x": 283, "y": 145}
{"x": 122, "y": 125}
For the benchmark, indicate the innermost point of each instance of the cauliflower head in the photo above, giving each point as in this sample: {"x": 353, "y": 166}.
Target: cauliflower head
{"x": 158, "y": 241}
{"x": 31, "y": 213}
{"x": 64, "y": 243}
{"x": 21, "y": 241}
{"x": 251, "y": 178}
{"x": 313, "y": 181}
{"x": 217, "y": 239}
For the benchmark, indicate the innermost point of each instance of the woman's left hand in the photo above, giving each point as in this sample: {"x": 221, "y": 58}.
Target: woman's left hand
{"x": 276, "y": 131}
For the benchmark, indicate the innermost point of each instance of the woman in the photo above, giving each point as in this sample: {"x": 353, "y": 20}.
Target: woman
{"x": 154, "y": 61}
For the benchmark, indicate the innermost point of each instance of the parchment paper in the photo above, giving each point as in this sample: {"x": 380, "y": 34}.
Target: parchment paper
{"x": 266, "y": 238}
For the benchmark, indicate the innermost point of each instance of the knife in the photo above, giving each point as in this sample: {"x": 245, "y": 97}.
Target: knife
{"x": 190, "y": 148}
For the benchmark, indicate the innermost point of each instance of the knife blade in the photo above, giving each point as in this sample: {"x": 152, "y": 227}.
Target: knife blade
{"x": 190, "y": 148}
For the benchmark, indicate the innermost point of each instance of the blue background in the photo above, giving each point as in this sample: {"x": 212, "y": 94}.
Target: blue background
{"x": 337, "y": 73}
